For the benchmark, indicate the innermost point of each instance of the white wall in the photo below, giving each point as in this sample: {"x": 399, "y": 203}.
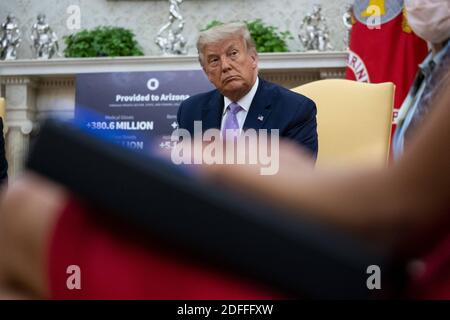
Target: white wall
{"x": 145, "y": 18}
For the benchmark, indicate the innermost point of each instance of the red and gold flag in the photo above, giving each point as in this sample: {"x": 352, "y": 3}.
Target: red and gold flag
{"x": 383, "y": 48}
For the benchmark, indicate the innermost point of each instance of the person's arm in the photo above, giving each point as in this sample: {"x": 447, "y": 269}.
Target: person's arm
{"x": 29, "y": 209}
{"x": 3, "y": 161}
{"x": 390, "y": 204}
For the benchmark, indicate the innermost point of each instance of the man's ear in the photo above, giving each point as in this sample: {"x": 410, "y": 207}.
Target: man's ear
{"x": 254, "y": 57}
{"x": 204, "y": 70}
{"x": 201, "y": 63}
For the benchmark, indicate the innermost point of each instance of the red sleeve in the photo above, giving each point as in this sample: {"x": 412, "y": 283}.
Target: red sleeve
{"x": 115, "y": 266}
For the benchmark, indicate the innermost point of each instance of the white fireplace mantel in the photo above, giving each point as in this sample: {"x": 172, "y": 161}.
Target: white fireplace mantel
{"x": 72, "y": 66}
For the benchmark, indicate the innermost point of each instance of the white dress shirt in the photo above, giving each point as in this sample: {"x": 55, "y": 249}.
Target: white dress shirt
{"x": 244, "y": 102}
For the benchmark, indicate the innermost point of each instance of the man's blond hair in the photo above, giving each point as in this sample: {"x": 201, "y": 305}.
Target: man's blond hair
{"x": 224, "y": 32}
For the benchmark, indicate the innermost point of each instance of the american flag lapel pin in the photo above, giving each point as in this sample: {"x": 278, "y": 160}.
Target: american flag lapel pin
{"x": 260, "y": 117}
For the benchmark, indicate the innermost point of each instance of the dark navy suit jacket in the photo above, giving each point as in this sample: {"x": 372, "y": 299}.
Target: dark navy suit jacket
{"x": 273, "y": 107}
{"x": 3, "y": 163}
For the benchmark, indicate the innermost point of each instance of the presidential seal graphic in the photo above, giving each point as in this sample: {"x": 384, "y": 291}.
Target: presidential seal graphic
{"x": 383, "y": 10}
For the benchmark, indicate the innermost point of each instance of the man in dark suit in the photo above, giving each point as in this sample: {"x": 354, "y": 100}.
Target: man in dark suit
{"x": 3, "y": 162}
{"x": 241, "y": 99}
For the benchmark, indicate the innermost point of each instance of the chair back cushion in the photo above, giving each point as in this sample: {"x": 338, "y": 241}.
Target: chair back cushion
{"x": 353, "y": 120}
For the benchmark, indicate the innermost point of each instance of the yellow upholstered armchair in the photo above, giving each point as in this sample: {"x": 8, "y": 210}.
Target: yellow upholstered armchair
{"x": 2, "y": 108}
{"x": 353, "y": 121}
{"x": 3, "y": 111}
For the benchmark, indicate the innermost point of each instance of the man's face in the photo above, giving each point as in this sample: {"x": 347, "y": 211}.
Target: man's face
{"x": 230, "y": 67}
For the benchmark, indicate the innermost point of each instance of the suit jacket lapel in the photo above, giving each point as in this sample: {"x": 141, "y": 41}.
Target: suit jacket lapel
{"x": 260, "y": 108}
{"x": 212, "y": 112}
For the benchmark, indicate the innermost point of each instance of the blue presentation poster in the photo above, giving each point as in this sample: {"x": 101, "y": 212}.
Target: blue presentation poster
{"x": 135, "y": 109}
